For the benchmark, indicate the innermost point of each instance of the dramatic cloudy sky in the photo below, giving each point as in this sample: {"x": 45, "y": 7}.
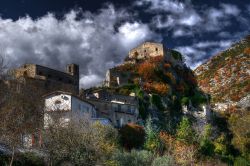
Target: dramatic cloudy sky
{"x": 98, "y": 34}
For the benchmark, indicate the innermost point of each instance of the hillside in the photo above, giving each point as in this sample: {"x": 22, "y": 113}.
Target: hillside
{"x": 161, "y": 84}
{"x": 226, "y": 76}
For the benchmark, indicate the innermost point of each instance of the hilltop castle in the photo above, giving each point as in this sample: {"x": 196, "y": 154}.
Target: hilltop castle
{"x": 49, "y": 79}
{"x": 140, "y": 53}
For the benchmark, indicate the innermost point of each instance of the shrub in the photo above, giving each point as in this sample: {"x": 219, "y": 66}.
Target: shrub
{"x": 163, "y": 161}
{"x": 240, "y": 161}
{"x": 134, "y": 158}
{"x": 132, "y": 136}
{"x": 207, "y": 147}
{"x": 184, "y": 153}
{"x": 31, "y": 159}
{"x": 80, "y": 142}
{"x": 239, "y": 125}
{"x": 185, "y": 101}
{"x": 168, "y": 141}
{"x": 220, "y": 145}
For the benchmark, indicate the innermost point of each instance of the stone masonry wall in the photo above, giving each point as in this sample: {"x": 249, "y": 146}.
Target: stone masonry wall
{"x": 147, "y": 49}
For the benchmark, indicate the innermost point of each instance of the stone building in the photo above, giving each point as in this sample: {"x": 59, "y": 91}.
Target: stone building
{"x": 49, "y": 79}
{"x": 115, "y": 77}
{"x": 147, "y": 49}
{"x": 119, "y": 109}
{"x": 66, "y": 106}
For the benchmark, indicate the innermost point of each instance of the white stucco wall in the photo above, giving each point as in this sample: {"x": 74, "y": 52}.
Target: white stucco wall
{"x": 58, "y": 102}
{"x": 64, "y": 107}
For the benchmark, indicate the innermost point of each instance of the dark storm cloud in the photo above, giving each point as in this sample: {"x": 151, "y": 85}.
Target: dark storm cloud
{"x": 205, "y": 29}
{"x": 91, "y": 41}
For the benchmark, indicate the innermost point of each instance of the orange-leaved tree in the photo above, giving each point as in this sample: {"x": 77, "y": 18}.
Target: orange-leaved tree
{"x": 146, "y": 70}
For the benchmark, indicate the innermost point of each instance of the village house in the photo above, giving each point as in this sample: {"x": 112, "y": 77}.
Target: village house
{"x": 62, "y": 107}
{"x": 59, "y": 109}
{"x": 119, "y": 109}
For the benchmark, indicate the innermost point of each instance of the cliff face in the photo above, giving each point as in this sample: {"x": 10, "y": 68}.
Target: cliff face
{"x": 226, "y": 76}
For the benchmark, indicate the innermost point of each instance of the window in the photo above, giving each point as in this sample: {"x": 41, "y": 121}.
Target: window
{"x": 156, "y": 49}
{"x": 119, "y": 107}
{"x": 129, "y": 109}
{"x": 145, "y": 50}
{"x": 40, "y": 73}
{"x": 70, "y": 69}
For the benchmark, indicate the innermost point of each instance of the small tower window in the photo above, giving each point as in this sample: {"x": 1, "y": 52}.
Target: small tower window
{"x": 156, "y": 49}
{"x": 70, "y": 69}
{"x": 40, "y": 73}
{"x": 145, "y": 50}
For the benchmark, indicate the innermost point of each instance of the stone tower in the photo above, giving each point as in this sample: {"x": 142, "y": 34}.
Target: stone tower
{"x": 73, "y": 69}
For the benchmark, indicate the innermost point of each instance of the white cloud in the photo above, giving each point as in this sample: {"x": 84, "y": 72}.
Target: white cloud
{"x": 174, "y": 16}
{"x": 178, "y": 32}
{"x": 230, "y": 9}
{"x": 209, "y": 44}
{"x": 92, "y": 79}
{"x": 172, "y": 6}
{"x": 197, "y": 53}
{"x": 190, "y": 20}
{"x": 132, "y": 33}
{"x": 95, "y": 41}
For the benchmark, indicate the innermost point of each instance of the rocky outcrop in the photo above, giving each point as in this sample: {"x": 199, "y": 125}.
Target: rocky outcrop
{"x": 226, "y": 76}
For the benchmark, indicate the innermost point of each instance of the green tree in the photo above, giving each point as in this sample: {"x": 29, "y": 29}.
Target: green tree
{"x": 185, "y": 132}
{"x": 153, "y": 142}
{"x": 206, "y": 144}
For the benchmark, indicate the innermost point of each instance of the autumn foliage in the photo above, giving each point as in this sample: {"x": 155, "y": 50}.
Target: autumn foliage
{"x": 171, "y": 77}
{"x": 156, "y": 60}
{"x": 167, "y": 65}
{"x": 247, "y": 51}
{"x": 146, "y": 70}
{"x": 132, "y": 136}
{"x": 157, "y": 87}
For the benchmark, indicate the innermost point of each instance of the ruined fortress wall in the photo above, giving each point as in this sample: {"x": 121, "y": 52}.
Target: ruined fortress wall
{"x": 27, "y": 70}
{"x": 116, "y": 78}
{"x": 147, "y": 49}
{"x": 48, "y": 79}
{"x": 51, "y": 74}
